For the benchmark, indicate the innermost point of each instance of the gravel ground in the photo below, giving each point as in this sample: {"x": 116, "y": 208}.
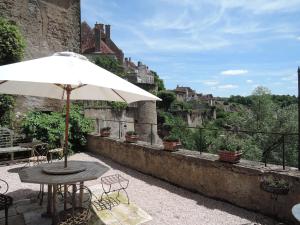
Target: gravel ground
{"x": 166, "y": 203}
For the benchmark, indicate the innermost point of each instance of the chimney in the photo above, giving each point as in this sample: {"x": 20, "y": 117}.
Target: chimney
{"x": 129, "y": 59}
{"x": 139, "y": 63}
{"x": 107, "y": 32}
{"x": 97, "y": 31}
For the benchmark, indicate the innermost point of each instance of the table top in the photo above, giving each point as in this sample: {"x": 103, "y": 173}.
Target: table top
{"x": 14, "y": 149}
{"x": 296, "y": 211}
{"x": 36, "y": 175}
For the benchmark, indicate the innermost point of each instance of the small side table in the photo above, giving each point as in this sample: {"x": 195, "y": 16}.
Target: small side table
{"x": 114, "y": 183}
{"x": 296, "y": 212}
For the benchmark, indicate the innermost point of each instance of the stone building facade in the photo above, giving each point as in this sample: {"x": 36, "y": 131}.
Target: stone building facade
{"x": 97, "y": 42}
{"x": 138, "y": 74}
{"x": 188, "y": 94}
{"x": 48, "y": 26}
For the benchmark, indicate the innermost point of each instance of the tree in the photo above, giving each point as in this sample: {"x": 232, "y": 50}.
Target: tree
{"x": 263, "y": 108}
{"x": 167, "y": 97}
{"x": 158, "y": 82}
{"x": 12, "y": 44}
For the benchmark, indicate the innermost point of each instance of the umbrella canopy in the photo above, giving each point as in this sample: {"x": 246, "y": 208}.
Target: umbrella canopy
{"x": 68, "y": 75}
{"x": 44, "y": 77}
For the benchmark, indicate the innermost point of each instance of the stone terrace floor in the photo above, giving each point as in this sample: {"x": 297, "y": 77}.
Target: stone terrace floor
{"x": 165, "y": 203}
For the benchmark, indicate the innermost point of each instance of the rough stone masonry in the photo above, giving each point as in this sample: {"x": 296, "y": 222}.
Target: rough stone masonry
{"x": 48, "y": 26}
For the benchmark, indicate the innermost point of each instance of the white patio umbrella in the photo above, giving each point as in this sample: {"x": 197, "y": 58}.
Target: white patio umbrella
{"x": 68, "y": 75}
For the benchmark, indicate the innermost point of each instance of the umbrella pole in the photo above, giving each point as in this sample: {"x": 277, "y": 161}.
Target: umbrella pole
{"x": 68, "y": 90}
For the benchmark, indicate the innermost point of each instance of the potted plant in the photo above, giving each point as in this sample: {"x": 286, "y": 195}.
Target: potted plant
{"x": 274, "y": 185}
{"x": 131, "y": 136}
{"x": 105, "y": 132}
{"x": 229, "y": 149}
{"x": 171, "y": 143}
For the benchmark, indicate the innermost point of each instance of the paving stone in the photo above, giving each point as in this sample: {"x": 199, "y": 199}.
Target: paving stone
{"x": 34, "y": 218}
{"x": 11, "y": 212}
{"x": 14, "y": 220}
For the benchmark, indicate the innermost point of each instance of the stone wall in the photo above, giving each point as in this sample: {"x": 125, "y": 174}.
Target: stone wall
{"x": 105, "y": 117}
{"x": 238, "y": 184}
{"x": 48, "y": 26}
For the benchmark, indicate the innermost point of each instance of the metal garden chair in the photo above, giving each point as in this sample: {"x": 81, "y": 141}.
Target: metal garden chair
{"x": 5, "y": 201}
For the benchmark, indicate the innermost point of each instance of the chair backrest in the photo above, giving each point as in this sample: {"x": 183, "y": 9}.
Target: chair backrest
{"x": 6, "y": 137}
{"x": 40, "y": 149}
{"x": 3, "y": 186}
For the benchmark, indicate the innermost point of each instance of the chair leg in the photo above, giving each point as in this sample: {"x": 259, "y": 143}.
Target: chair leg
{"x": 6, "y": 215}
{"x": 42, "y": 194}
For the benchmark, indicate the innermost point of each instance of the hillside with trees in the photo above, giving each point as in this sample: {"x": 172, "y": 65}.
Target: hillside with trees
{"x": 261, "y": 124}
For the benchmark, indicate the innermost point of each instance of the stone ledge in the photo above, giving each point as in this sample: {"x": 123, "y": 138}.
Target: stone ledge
{"x": 238, "y": 184}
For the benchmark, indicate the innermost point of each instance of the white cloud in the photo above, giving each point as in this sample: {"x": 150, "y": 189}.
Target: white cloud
{"x": 210, "y": 82}
{"x": 234, "y": 72}
{"x": 289, "y": 77}
{"x": 227, "y": 86}
{"x": 249, "y": 81}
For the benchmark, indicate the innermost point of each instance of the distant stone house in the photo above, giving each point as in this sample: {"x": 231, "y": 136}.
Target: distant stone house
{"x": 185, "y": 94}
{"x": 97, "y": 41}
{"x": 188, "y": 94}
{"x": 138, "y": 74}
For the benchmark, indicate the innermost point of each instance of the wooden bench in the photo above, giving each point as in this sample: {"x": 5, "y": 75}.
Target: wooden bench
{"x": 7, "y": 144}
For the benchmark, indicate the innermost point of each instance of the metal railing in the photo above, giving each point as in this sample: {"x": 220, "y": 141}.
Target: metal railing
{"x": 275, "y": 143}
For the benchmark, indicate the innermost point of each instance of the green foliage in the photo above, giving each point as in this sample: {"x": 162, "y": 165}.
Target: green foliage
{"x": 79, "y": 128}
{"x": 179, "y": 129}
{"x": 12, "y": 44}
{"x": 182, "y": 106}
{"x": 45, "y": 127}
{"x": 7, "y": 103}
{"x": 131, "y": 132}
{"x": 50, "y": 127}
{"x": 111, "y": 64}
{"x": 167, "y": 98}
{"x": 247, "y": 101}
{"x": 158, "y": 82}
{"x": 228, "y": 142}
{"x": 275, "y": 182}
{"x": 105, "y": 129}
{"x": 118, "y": 106}
{"x": 171, "y": 138}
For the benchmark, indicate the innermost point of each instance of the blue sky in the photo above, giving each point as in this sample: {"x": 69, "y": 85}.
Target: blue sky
{"x": 221, "y": 47}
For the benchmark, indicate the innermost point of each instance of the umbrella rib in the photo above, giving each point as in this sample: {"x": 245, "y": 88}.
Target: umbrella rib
{"x": 79, "y": 86}
{"x": 119, "y": 95}
{"x": 4, "y": 81}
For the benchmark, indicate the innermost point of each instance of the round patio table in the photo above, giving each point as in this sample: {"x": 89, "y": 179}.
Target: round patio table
{"x": 36, "y": 174}
{"x": 296, "y": 212}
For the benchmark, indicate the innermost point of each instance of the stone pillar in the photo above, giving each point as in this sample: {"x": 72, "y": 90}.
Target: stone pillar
{"x": 147, "y": 115}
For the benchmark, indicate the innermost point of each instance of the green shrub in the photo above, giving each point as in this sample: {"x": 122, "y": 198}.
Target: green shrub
{"x": 7, "y": 103}
{"x": 12, "y": 44}
{"x": 131, "y": 133}
{"x": 50, "y": 127}
{"x": 105, "y": 129}
{"x": 171, "y": 138}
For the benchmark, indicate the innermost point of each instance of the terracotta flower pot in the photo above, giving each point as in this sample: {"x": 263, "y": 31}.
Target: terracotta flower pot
{"x": 104, "y": 133}
{"x": 131, "y": 138}
{"x": 171, "y": 145}
{"x": 228, "y": 156}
